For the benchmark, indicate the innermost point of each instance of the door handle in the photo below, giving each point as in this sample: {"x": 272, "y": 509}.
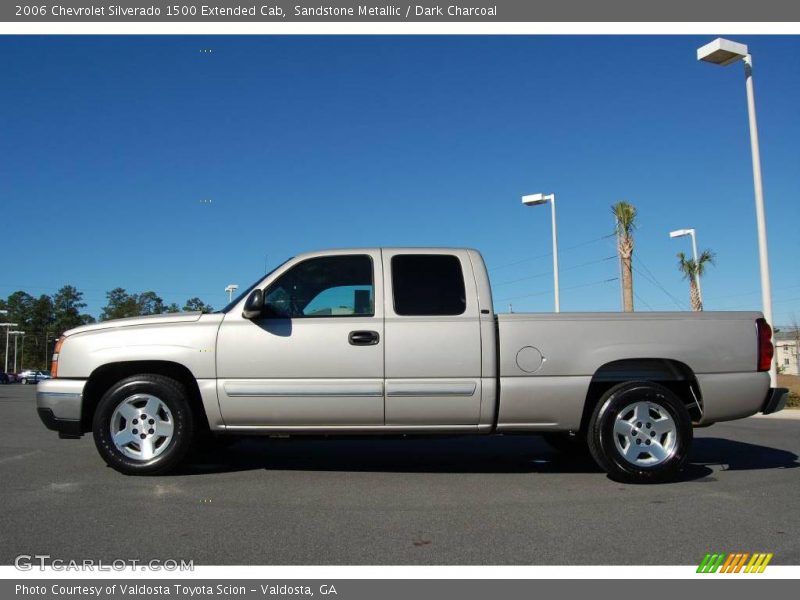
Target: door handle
{"x": 363, "y": 338}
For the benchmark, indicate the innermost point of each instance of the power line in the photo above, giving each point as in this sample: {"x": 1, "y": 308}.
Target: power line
{"x": 546, "y": 254}
{"x": 642, "y": 300}
{"x": 574, "y": 287}
{"x": 652, "y": 279}
{"x": 586, "y": 264}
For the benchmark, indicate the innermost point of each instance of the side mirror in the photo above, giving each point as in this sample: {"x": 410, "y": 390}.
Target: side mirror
{"x": 254, "y": 305}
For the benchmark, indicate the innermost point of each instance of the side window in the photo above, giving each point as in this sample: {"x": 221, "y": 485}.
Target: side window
{"x": 428, "y": 284}
{"x": 329, "y": 286}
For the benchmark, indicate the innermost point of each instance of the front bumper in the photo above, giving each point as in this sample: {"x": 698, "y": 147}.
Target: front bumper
{"x": 776, "y": 400}
{"x": 59, "y": 402}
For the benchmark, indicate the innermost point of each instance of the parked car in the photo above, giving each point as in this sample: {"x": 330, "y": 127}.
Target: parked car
{"x": 33, "y": 376}
{"x": 405, "y": 341}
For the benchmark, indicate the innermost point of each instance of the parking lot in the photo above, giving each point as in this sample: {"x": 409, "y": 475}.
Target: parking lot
{"x": 471, "y": 500}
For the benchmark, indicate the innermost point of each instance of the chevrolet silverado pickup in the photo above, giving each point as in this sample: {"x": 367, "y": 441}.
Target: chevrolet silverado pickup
{"x": 405, "y": 341}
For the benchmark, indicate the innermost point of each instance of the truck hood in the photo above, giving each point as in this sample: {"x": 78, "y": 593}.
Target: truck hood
{"x": 162, "y": 319}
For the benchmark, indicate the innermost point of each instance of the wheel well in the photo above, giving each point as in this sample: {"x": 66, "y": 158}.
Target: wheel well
{"x": 105, "y": 376}
{"x": 672, "y": 374}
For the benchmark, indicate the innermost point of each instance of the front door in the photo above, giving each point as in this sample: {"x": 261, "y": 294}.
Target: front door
{"x": 315, "y": 357}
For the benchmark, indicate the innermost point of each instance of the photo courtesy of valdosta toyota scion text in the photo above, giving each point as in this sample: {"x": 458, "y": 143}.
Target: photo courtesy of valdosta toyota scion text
{"x": 383, "y": 302}
{"x": 171, "y": 589}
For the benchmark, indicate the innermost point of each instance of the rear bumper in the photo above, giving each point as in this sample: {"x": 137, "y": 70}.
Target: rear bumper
{"x": 776, "y": 400}
{"x": 58, "y": 402}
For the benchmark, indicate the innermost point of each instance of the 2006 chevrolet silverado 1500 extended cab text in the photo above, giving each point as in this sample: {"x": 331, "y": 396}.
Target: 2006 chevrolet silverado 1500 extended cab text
{"x": 405, "y": 341}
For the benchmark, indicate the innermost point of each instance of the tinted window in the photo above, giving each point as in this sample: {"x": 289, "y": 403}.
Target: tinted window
{"x": 428, "y": 284}
{"x": 329, "y": 286}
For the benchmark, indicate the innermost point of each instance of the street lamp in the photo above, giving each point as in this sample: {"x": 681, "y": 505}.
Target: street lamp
{"x": 690, "y": 232}
{"x": 725, "y": 52}
{"x": 16, "y": 334}
{"x": 46, "y": 340}
{"x": 535, "y": 200}
{"x": 8, "y": 326}
{"x": 230, "y": 289}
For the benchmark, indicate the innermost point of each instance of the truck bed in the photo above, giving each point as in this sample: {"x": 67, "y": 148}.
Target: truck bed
{"x": 547, "y": 361}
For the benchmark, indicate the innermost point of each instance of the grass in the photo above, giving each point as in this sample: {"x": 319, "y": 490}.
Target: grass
{"x": 793, "y": 383}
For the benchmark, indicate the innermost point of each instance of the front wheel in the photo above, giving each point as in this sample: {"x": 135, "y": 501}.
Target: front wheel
{"x": 144, "y": 425}
{"x": 640, "y": 432}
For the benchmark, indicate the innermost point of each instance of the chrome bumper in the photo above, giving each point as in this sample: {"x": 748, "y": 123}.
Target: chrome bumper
{"x": 58, "y": 402}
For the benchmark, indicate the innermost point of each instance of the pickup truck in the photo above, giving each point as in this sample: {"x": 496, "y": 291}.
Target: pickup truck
{"x": 402, "y": 341}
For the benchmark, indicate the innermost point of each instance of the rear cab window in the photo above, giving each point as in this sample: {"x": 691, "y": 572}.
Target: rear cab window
{"x": 428, "y": 285}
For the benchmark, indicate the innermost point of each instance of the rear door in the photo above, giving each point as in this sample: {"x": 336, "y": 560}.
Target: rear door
{"x": 433, "y": 339}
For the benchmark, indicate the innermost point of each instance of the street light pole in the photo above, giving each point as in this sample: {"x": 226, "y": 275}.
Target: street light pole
{"x": 230, "y": 289}
{"x": 46, "y": 339}
{"x": 725, "y": 52}
{"x": 8, "y": 327}
{"x": 16, "y": 334}
{"x": 761, "y": 218}
{"x": 555, "y": 252}
{"x": 534, "y": 200}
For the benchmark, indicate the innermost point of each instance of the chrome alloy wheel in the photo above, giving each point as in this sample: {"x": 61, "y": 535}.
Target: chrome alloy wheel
{"x": 142, "y": 427}
{"x": 645, "y": 434}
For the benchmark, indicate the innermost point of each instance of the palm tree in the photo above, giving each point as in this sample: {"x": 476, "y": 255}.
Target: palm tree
{"x": 625, "y": 215}
{"x": 691, "y": 270}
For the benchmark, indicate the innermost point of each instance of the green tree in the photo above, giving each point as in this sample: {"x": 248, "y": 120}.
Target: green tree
{"x": 625, "y": 215}
{"x": 42, "y": 319}
{"x": 195, "y": 304}
{"x": 120, "y": 304}
{"x": 33, "y": 316}
{"x": 149, "y": 303}
{"x": 67, "y": 305}
{"x": 35, "y": 343}
{"x": 19, "y": 306}
{"x": 691, "y": 270}
{"x": 172, "y": 308}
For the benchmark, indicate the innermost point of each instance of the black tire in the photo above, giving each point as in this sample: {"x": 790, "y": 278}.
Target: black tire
{"x": 569, "y": 444}
{"x": 172, "y": 394}
{"x": 606, "y": 446}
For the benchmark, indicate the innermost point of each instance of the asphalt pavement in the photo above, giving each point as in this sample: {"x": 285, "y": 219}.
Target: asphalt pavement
{"x": 463, "y": 500}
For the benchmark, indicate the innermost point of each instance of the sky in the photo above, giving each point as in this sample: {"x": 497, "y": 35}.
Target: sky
{"x": 182, "y": 164}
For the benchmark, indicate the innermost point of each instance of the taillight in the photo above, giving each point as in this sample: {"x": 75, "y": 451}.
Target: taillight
{"x": 56, "y": 351}
{"x": 765, "y": 348}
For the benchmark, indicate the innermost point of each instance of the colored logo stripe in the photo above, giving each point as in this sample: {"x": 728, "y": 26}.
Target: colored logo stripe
{"x": 710, "y": 563}
{"x": 734, "y": 562}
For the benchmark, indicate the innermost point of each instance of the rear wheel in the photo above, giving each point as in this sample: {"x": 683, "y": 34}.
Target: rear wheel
{"x": 144, "y": 425}
{"x": 640, "y": 432}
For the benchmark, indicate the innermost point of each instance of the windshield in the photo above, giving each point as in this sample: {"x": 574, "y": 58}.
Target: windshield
{"x": 250, "y": 288}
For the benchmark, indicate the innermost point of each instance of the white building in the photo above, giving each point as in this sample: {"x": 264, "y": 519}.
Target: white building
{"x": 786, "y": 350}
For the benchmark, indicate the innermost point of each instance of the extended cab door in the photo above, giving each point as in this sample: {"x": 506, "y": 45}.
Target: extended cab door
{"x": 315, "y": 357}
{"x": 433, "y": 338}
